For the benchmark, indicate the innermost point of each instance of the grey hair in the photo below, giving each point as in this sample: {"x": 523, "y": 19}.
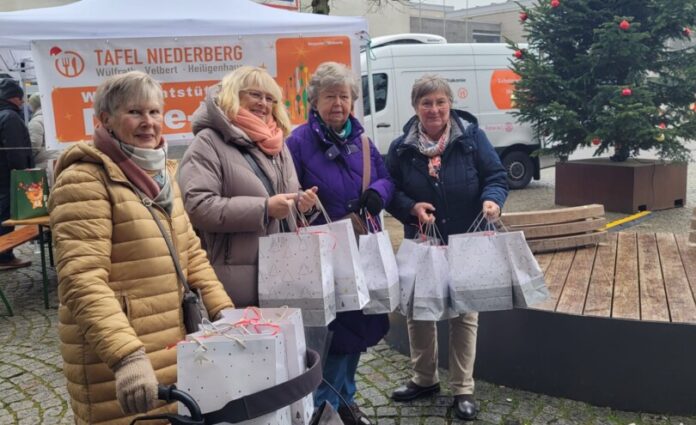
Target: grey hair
{"x": 34, "y": 101}
{"x": 428, "y": 84}
{"x": 119, "y": 90}
{"x": 328, "y": 75}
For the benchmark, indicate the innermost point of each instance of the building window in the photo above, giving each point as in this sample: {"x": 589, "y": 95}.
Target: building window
{"x": 379, "y": 81}
{"x": 482, "y": 36}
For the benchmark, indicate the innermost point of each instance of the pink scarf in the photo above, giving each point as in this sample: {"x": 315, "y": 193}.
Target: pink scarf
{"x": 136, "y": 175}
{"x": 267, "y": 136}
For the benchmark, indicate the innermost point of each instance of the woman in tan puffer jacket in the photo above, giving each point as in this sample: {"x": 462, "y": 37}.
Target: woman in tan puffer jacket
{"x": 120, "y": 300}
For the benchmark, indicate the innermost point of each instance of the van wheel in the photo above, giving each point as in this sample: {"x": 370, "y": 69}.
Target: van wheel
{"x": 520, "y": 169}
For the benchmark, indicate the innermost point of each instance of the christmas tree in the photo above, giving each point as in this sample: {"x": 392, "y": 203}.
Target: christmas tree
{"x": 615, "y": 74}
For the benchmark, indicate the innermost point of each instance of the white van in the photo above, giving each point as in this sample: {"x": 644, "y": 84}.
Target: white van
{"x": 481, "y": 83}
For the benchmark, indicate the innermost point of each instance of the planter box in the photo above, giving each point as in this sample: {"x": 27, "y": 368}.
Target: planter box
{"x": 628, "y": 187}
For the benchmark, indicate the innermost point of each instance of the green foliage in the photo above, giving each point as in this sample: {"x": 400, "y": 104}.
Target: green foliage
{"x": 579, "y": 61}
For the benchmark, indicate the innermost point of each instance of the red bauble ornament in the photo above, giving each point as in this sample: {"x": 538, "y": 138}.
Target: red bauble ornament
{"x": 686, "y": 31}
{"x": 624, "y": 25}
{"x": 555, "y": 3}
{"x": 662, "y": 125}
{"x": 626, "y": 92}
{"x": 523, "y": 16}
{"x": 518, "y": 54}
{"x": 596, "y": 141}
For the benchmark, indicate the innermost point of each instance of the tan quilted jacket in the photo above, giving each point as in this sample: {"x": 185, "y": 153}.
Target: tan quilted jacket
{"x": 117, "y": 284}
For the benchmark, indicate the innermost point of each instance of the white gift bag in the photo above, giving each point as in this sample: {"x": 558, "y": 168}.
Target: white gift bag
{"x": 289, "y": 320}
{"x": 217, "y": 369}
{"x": 296, "y": 270}
{"x": 381, "y": 272}
{"x": 350, "y": 287}
{"x": 408, "y": 257}
{"x": 528, "y": 285}
{"x": 431, "y": 287}
{"x": 480, "y": 276}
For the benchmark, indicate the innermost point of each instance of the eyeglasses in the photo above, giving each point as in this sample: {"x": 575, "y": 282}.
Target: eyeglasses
{"x": 438, "y": 104}
{"x": 260, "y": 97}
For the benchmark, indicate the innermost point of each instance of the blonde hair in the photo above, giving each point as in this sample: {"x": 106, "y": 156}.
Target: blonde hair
{"x": 122, "y": 89}
{"x": 246, "y": 77}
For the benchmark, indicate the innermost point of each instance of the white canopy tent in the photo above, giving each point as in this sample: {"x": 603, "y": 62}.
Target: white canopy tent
{"x": 99, "y": 19}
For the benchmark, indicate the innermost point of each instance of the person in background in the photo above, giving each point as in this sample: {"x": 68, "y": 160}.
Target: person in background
{"x": 37, "y": 134}
{"x": 238, "y": 179}
{"x": 328, "y": 154}
{"x": 446, "y": 172}
{"x": 15, "y": 154}
{"x": 120, "y": 299}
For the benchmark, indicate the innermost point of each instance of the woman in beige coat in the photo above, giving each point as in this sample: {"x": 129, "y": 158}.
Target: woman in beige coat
{"x": 120, "y": 299}
{"x": 228, "y": 201}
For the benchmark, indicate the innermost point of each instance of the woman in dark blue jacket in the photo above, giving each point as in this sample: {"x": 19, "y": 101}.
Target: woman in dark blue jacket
{"x": 445, "y": 171}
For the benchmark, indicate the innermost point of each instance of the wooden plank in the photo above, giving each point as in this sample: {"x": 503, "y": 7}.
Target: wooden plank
{"x": 565, "y": 242}
{"x": 626, "y": 304}
{"x": 18, "y": 237}
{"x": 681, "y": 301}
{"x": 688, "y": 259}
{"x": 555, "y": 277}
{"x": 551, "y": 230}
{"x": 42, "y": 220}
{"x": 560, "y": 215}
{"x": 653, "y": 298}
{"x": 544, "y": 260}
{"x": 572, "y": 299}
{"x": 601, "y": 289}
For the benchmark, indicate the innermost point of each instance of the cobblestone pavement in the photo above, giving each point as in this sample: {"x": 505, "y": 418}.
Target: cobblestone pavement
{"x": 32, "y": 387}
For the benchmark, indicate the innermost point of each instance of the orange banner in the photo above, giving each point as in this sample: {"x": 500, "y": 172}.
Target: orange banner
{"x": 297, "y": 59}
{"x": 75, "y": 118}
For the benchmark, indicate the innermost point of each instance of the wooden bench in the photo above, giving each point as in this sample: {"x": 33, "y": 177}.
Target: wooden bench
{"x": 12, "y": 240}
{"x": 562, "y": 228}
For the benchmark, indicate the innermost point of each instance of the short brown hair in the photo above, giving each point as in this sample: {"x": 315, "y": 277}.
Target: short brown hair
{"x": 427, "y": 84}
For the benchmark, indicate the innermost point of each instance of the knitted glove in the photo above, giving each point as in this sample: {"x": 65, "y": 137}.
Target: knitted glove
{"x": 372, "y": 202}
{"x": 136, "y": 384}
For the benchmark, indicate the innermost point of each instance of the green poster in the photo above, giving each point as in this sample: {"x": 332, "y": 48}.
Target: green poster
{"x": 29, "y": 196}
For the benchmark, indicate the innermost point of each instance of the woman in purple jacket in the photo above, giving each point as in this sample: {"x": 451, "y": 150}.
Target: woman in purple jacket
{"x": 327, "y": 151}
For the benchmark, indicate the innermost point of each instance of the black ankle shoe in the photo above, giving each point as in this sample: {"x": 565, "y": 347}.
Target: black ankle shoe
{"x": 411, "y": 391}
{"x": 465, "y": 407}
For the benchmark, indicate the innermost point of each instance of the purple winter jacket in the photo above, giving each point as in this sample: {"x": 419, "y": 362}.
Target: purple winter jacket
{"x": 339, "y": 180}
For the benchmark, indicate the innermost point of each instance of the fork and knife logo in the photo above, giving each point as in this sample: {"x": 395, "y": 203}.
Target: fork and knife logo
{"x": 68, "y": 63}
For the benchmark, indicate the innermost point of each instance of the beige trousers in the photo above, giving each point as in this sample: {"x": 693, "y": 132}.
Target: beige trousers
{"x": 462, "y": 352}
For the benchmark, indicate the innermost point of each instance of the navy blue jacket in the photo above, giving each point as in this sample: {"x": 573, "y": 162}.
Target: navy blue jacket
{"x": 339, "y": 180}
{"x": 15, "y": 145}
{"x": 470, "y": 173}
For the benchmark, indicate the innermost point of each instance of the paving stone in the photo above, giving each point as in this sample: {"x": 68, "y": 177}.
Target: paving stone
{"x": 386, "y": 411}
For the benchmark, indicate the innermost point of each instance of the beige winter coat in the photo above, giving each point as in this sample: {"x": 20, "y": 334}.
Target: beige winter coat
{"x": 117, "y": 284}
{"x": 226, "y": 200}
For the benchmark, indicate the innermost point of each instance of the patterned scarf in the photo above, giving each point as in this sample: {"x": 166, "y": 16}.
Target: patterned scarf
{"x": 135, "y": 162}
{"x": 433, "y": 149}
{"x": 267, "y": 136}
